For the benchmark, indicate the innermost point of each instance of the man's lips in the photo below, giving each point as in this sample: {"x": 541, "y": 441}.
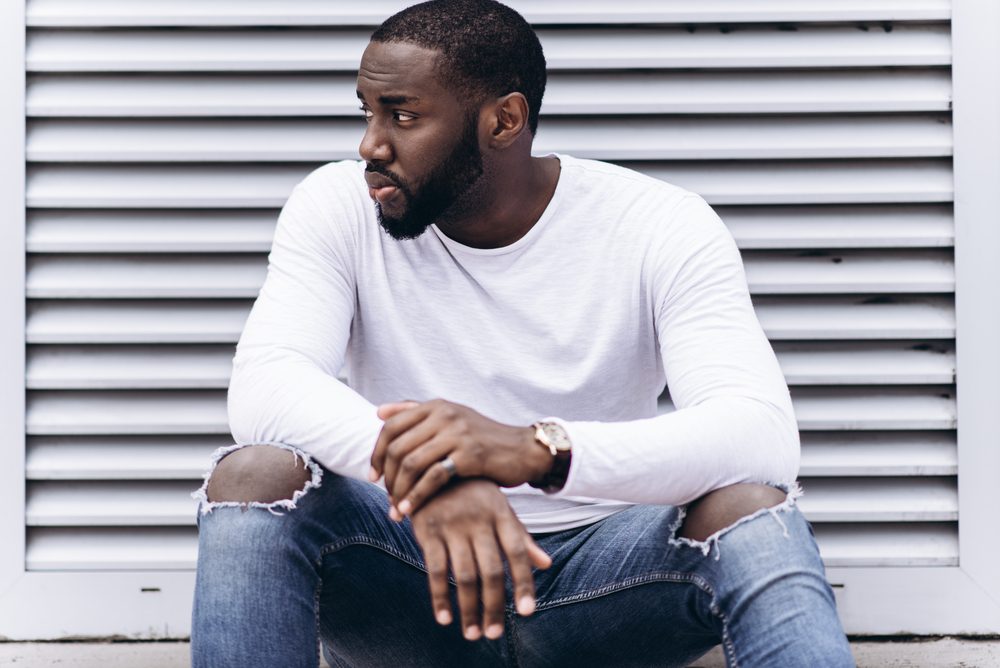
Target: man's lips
{"x": 380, "y": 188}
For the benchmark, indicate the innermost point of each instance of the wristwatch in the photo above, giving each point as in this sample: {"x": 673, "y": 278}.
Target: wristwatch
{"x": 552, "y": 437}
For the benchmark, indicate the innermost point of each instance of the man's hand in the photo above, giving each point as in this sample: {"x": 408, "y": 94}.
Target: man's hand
{"x": 417, "y": 436}
{"x": 470, "y": 524}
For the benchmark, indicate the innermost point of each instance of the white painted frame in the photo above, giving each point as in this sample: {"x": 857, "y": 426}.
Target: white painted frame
{"x": 966, "y": 598}
{"x": 948, "y": 600}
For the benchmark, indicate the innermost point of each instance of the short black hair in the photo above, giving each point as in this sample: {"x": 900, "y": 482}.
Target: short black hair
{"x": 487, "y": 48}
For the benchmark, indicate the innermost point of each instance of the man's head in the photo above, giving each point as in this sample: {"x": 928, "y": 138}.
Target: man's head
{"x": 439, "y": 83}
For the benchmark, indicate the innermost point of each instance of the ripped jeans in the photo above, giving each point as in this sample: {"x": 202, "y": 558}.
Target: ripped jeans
{"x": 329, "y": 566}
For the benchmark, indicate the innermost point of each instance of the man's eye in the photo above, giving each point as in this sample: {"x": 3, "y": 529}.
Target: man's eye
{"x": 402, "y": 116}
{"x": 367, "y": 113}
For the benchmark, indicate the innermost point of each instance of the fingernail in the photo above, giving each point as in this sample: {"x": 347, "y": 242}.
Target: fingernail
{"x": 372, "y": 474}
{"x": 443, "y": 617}
{"x": 404, "y": 507}
{"x": 472, "y": 633}
{"x": 494, "y": 631}
{"x": 394, "y": 514}
{"x": 525, "y": 606}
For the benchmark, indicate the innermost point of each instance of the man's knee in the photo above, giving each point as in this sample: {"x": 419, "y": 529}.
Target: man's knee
{"x": 257, "y": 473}
{"x": 725, "y": 506}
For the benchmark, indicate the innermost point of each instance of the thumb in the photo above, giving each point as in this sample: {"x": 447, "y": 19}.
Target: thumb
{"x": 538, "y": 556}
{"x": 386, "y": 411}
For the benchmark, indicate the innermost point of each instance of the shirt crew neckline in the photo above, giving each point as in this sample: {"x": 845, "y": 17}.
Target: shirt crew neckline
{"x": 536, "y": 229}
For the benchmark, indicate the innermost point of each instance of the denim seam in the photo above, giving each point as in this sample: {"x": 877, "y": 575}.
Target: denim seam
{"x": 513, "y": 653}
{"x": 667, "y": 576}
{"x": 330, "y": 548}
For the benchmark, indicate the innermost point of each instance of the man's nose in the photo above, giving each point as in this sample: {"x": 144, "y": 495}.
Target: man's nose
{"x": 375, "y": 146}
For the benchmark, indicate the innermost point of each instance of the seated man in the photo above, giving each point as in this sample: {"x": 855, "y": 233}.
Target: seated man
{"x": 506, "y": 324}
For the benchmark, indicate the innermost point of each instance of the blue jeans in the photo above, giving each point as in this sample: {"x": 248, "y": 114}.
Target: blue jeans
{"x": 275, "y": 580}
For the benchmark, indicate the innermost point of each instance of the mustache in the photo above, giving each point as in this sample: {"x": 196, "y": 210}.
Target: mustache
{"x": 377, "y": 169}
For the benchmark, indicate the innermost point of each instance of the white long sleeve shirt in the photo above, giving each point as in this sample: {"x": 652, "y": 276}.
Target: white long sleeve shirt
{"x": 624, "y": 284}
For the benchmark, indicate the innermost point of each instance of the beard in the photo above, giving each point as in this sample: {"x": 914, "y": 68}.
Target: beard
{"x": 445, "y": 185}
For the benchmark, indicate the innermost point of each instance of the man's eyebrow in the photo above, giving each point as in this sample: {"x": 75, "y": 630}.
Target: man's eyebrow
{"x": 392, "y": 99}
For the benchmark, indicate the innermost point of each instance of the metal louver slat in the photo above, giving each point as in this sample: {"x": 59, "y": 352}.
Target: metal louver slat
{"x": 66, "y": 13}
{"x": 316, "y": 50}
{"x": 857, "y": 545}
{"x": 831, "y": 408}
{"x": 102, "y": 412}
{"x": 874, "y": 454}
{"x": 131, "y": 322}
{"x": 150, "y": 231}
{"x": 611, "y": 139}
{"x": 913, "y": 499}
{"x": 120, "y": 457}
{"x": 100, "y": 548}
{"x": 865, "y": 363}
{"x": 657, "y": 92}
{"x": 146, "y": 503}
{"x": 746, "y": 182}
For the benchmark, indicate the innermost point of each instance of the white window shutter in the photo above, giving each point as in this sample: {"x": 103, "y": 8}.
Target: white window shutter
{"x": 162, "y": 137}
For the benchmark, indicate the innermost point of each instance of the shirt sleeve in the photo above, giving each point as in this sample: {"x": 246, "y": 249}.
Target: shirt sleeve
{"x": 732, "y": 420}
{"x": 284, "y": 387}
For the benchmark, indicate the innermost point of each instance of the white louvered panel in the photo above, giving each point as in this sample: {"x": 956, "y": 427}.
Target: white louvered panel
{"x": 914, "y": 499}
{"x": 914, "y": 544}
{"x": 687, "y": 92}
{"x": 318, "y": 50}
{"x": 879, "y": 454}
{"x": 54, "y": 276}
{"x": 111, "y": 548}
{"x": 157, "y": 231}
{"x": 151, "y": 231}
{"x": 123, "y": 13}
{"x": 826, "y": 408}
{"x": 97, "y": 503}
{"x": 746, "y": 182}
{"x": 220, "y": 322}
{"x": 105, "y": 412}
{"x": 865, "y": 363}
{"x": 120, "y": 457}
{"x": 136, "y": 322}
{"x": 132, "y": 367}
{"x": 611, "y": 139}
{"x": 875, "y": 226}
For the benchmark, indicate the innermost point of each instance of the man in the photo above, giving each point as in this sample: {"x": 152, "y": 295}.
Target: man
{"x": 506, "y": 324}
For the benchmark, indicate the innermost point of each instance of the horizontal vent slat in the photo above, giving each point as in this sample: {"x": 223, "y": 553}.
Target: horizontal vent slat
{"x": 204, "y": 367}
{"x": 153, "y": 231}
{"x": 123, "y": 13}
{"x": 103, "y": 412}
{"x": 749, "y": 182}
{"x": 677, "y": 138}
{"x": 787, "y": 318}
{"x": 687, "y": 92}
{"x": 868, "y": 454}
{"x": 332, "y": 50}
{"x": 914, "y": 544}
{"x": 77, "y": 276}
{"x": 880, "y": 500}
{"x": 121, "y": 457}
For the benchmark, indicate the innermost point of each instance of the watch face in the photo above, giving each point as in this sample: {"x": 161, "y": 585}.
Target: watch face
{"x": 556, "y": 435}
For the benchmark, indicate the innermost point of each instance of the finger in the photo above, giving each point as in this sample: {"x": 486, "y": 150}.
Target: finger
{"x": 463, "y": 566}
{"x": 491, "y": 576}
{"x": 436, "y": 561}
{"x": 422, "y": 473}
{"x": 386, "y": 411}
{"x": 515, "y": 542}
{"x": 408, "y": 445}
{"x": 539, "y": 557}
{"x": 430, "y": 483}
{"x": 393, "y": 426}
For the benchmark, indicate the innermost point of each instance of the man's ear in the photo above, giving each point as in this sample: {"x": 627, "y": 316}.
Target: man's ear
{"x": 507, "y": 119}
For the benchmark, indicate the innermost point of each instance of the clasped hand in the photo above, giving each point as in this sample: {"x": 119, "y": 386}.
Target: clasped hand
{"x": 466, "y": 523}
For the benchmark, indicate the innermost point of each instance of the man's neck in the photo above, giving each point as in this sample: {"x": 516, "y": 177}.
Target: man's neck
{"x": 516, "y": 198}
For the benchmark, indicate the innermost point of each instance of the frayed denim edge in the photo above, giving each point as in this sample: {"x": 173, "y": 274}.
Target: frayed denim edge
{"x": 205, "y": 506}
{"x": 792, "y": 493}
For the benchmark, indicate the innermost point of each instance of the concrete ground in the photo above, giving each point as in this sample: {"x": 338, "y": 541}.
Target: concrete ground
{"x": 934, "y": 653}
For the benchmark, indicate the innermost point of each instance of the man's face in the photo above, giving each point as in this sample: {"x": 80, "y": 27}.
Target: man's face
{"x": 421, "y": 142}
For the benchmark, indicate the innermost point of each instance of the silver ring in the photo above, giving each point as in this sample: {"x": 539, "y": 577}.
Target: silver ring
{"x": 448, "y": 464}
